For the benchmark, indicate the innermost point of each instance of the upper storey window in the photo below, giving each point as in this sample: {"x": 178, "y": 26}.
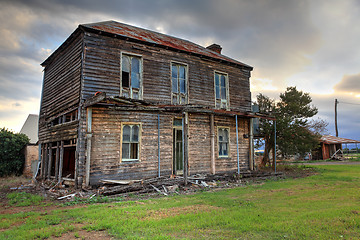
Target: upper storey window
{"x": 221, "y": 91}
{"x": 131, "y": 77}
{"x": 179, "y": 91}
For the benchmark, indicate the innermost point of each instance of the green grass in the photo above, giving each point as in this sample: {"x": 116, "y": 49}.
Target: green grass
{"x": 22, "y": 199}
{"x": 323, "y": 206}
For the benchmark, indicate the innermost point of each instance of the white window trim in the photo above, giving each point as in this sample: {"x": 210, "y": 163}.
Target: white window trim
{"x": 121, "y": 141}
{"x": 186, "y": 80}
{"x": 141, "y": 71}
{"x": 218, "y": 147}
{"x": 227, "y": 88}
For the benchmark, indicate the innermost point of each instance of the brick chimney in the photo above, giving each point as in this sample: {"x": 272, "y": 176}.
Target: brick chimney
{"x": 215, "y": 47}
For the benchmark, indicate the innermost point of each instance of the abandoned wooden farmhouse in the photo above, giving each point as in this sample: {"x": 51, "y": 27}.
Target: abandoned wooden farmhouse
{"x": 120, "y": 102}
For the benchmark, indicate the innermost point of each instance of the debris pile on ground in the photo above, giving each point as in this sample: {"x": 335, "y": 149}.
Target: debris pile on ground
{"x": 161, "y": 186}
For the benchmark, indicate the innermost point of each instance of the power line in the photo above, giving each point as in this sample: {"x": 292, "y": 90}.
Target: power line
{"x": 350, "y": 103}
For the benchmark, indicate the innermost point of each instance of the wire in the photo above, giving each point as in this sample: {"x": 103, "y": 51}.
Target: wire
{"x": 350, "y": 103}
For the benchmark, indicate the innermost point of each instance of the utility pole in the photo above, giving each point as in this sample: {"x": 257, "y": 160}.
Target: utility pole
{"x": 336, "y": 127}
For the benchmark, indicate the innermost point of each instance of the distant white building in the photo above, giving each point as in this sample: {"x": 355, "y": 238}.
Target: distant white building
{"x": 31, "y": 127}
{"x": 31, "y": 151}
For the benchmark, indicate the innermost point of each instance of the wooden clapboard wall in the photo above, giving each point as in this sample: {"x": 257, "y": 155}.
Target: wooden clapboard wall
{"x": 61, "y": 92}
{"x": 102, "y": 73}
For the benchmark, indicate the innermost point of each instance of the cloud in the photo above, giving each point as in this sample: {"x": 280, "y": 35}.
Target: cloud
{"x": 309, "y": 44}
{"x": 349, "y": 84}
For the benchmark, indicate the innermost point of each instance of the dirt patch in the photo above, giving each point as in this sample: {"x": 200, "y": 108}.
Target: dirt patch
{"x": 175, "y": 211}
{"x": 80, "y": 233}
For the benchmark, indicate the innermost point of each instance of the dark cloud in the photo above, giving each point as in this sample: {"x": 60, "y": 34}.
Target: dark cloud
{"x": 278, "y": 37}
{"x": 349, "y": 83}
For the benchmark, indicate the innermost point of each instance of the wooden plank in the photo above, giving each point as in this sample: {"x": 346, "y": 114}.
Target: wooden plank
{"x": 61, "y": 161}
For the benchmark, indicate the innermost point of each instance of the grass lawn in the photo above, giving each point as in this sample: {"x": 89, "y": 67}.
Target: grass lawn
{"x": 323, "y": 206}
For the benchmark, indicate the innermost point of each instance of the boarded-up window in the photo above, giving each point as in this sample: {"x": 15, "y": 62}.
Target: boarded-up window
{"x": 179, "y": 84}
{"x": 131, "y": 82}
{"x": 221, "y": 91}
{"x": 130, "y": 142}
{"x": 223, "y": 141}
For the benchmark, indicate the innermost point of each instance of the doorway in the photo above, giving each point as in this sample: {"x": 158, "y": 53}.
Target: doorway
{"x": 178, "y": 157}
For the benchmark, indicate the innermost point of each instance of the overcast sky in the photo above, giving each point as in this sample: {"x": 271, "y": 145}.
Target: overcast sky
{"x": 313, "y": 45}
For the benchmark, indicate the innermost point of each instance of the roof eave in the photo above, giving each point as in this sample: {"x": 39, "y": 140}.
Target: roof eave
{"x": 114, "y": 35}
{"x": 61, "y": 47}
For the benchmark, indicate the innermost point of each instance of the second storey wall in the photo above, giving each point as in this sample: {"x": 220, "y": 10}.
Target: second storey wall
{"x": 61, "y": 92}
{"x": 102, "y": 73}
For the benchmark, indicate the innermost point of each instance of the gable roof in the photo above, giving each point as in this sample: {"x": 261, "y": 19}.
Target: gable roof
{"x": 30, "y": 128}
{"x": 132, "y": 33}
{"x": 333, "y": 140}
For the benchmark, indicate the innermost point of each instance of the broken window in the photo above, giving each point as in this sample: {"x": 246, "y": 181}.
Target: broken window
{"x": 221, "y": 91}
{"x": 223, "y": 140}
{"x": 64, "y": 118}
{"x": 130, "y": 142}
{"x": 179, "y": 83}
{"x": 131, "y": 76}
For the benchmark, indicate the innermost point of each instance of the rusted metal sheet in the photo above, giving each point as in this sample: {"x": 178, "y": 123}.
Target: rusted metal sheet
{"x": 151, "y": 37}
{"x": 328, "y": 139}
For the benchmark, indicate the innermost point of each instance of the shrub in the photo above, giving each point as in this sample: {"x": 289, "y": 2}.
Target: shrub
{"x": 11, "y": 156}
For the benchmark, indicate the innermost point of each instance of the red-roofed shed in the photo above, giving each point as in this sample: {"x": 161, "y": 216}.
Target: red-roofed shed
{"x": 331, "y": 145}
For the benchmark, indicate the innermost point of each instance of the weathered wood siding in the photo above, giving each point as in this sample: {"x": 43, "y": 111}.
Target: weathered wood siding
{"x": 230, "y": 163}
{"x": 199, "y": 144}
{"x": 102, "y": 72}
{"x": 61, "y": 92}
{"x": 105, "y": 152}
{"x": 106, "y": 140}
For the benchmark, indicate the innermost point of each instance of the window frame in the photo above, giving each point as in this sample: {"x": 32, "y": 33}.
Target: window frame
{"x": 131, "y": 55}
{"x": 123, "y": 124}
{"x": 218, "y": 142}
{"x": 222, "y": 101}
{"x": 179, "y": 94}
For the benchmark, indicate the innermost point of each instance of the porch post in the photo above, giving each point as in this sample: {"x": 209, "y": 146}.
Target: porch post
{"x": 212, "y": 146}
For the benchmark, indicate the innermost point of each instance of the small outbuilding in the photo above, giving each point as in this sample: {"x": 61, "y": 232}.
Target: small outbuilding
{"x": 331, "y": 147}
{"x": 31, "y": 151}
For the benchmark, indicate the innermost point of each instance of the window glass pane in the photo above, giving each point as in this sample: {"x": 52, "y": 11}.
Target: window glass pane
{"x": 135, "y": 72}
{"x": 217, "y": 81}
{"x": 217, "y": 87}
{"x": 175, "y": 99}
{"x": 135, "y": 133}
{"x": 223, "y": 93}
{"x": 182, "y": 72}
{"x": 174, "y": 85}
{"x": 177, "y": 122}
{"x": 135, "y": 80}
{"x": 134, "y": 151}
{"x": 126, "y": 133}
{"x": 183, "y": 100}
{"x": 174, "y": 71}
{"x": 221, "y": 135}
{"x": 125, "y": 150}
{"x": 182, "y": 85}
{"x": 226, "y": 135}
{"x": 225, "y": 149}
{"x": 135, "y": 65}
{"x": 135, "y": 95}
{"x": 218, "y": 105}
{"x": 125, "y": 94}
{"x": 220, "y": 150}
{"x": 223, "y": 81}
{"x": 125, "y": 64}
